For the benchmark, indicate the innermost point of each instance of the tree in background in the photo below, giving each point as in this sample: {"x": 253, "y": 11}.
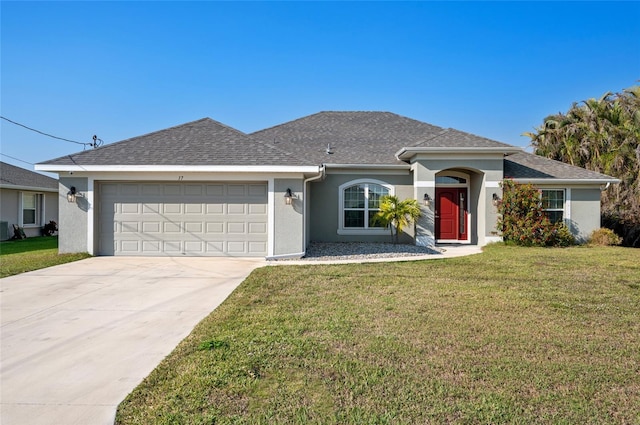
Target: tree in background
{"x": 396, "y": 213}
{"x": 602, "y": 135}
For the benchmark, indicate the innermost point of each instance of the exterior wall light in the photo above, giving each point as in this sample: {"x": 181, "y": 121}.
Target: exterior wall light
{"x": 288, "y": 197}
{"x": 71, "y": 194}
{"x": 496, "y": 200}
{"x": 426, "y": 200}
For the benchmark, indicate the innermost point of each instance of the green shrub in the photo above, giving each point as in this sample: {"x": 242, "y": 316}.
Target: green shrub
{"x": 523, "y": 220}
{"x": 564, "y": 237}
{"x": 604, "y": 237}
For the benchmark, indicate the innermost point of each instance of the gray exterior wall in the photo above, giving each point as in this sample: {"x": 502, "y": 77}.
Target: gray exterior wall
{"x": 72, "y": 227}
{"x": 288, "y": 219}
{"x": 324, "y": 210}
{"x": 9, "y": 209}
{"x": 483, "y": 215}
{"x": 585, "y": 213}
{"x": 9, "y": 203}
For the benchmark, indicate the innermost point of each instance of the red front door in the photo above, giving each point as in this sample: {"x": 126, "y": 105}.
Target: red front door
{"x": 451, "y": 213}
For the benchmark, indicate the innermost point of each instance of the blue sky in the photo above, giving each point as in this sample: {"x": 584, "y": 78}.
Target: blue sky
{"x": 122, "y": 69}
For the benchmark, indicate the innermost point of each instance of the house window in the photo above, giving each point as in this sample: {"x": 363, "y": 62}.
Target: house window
{"x": 450, "y": 180}
{"x": 30, "y": 209}
{"x": 553, "y": 204}
{"x": 359, "y": 203}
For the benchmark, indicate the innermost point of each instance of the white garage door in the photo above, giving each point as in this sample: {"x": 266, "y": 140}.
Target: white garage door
{"x": 193, "y": 219}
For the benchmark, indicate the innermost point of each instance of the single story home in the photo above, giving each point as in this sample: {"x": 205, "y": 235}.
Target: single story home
{"x": 27, "y": 199}
{"x": 206, "y": 189}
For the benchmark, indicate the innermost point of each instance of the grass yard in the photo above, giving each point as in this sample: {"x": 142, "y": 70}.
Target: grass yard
{"x": 513, "y": 335}
{"x": 29, "y": 254}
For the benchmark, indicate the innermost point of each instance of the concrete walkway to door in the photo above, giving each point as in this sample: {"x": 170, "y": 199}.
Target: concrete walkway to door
{"x": 77, "y": 338}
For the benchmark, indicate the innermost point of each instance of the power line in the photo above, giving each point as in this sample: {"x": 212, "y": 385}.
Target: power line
{"x": 17, "y": 159}
{"x": 55, "y": 137}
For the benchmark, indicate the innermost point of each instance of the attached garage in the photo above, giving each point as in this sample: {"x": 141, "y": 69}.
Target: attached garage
{"x": 182, "y": 218}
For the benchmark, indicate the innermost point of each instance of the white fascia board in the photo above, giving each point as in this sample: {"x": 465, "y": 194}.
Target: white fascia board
{"x": 28, "y": 188}
{"x": 580, "y": 182}
{"x": 370, "y": 166}
{"x": 408, "y": 152}
{"x": 180, "y": 168}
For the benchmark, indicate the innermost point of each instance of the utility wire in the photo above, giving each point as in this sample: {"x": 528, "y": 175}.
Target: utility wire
{"x": 46, "y": 134}
{"x": 17, "y": 159}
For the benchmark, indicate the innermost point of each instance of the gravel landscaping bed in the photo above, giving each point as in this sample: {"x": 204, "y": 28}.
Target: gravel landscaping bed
{"x": 322, "y": 251}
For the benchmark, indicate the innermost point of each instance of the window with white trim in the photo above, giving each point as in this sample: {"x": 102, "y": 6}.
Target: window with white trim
{"x": 31, "y": 205}
{"x": 553, "y": 204}
{"x": 359, "y": 203}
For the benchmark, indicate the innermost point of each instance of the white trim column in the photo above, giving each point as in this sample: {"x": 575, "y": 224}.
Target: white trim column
{"x": 90, "y": 215}
{"x": 271, "y": 219}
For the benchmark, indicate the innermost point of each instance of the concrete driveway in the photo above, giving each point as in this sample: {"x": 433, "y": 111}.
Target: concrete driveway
{"x": 77, "y": 338}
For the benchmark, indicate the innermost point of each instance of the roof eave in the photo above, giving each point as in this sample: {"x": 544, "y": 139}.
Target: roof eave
{"x": 552, "y": 180}
{"x": 57, "y": 168}
{"x": 406, "y": 153}
{"x": 370, "y": 166}
{"x": 28, "y": 188}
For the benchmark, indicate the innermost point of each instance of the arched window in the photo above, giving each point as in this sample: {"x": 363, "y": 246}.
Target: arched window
{"x": 359, "y": 202}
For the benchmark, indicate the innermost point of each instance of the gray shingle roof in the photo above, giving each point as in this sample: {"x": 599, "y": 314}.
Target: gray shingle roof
{"x": 367, "y": 138}
{"x": 201, "y": 142}
{"x": 529, "y": 166}
{"x": 10, "y": 175}
{"x": 362, "y": 137}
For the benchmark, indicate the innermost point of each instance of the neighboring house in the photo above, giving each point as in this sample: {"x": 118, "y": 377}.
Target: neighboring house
{"x": 203, "y": 188}
{"x": 27, "y": 199}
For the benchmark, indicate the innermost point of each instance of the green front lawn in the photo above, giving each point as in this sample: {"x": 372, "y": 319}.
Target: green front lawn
{"x": 29, "y": 254}
{"x": 513, "y": 335}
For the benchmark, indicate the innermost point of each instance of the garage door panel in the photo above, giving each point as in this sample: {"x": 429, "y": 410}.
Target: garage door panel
{"x": 236, "y": 189}
{"x": 171, "y": 208}
{"x": 259, "y": 190}
{"x": 130, "y": 208}
{"x": 257, "y": 209}
{"x": 193, "y": 209}
{"x": 236, "y": 228}
{"x": 176, "y": 219}
{"x": 172, "y": 247}
{"x": 235, "y": 209}
{"x": 151, "y": 247}
{"x": 170, "y": 227}
{"x": 130, "y": 189}
{"x": 257, "y": 247}
{"x": 130, "y": 246}
{"x": 217, "y": 228}
{"x": 171, "y": 190}
{"x": 258, "y": 228}
{"x": 151, "y": 227}
{"x": 214, "y": 209}
{"x": 130, "y": 227}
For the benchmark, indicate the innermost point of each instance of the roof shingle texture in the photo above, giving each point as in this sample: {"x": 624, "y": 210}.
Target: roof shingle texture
{"x": 201, "y": 142}
{"x": 11, "y": 175}
{"x": 525, "y": 165}
{"x": 362, "y": 137}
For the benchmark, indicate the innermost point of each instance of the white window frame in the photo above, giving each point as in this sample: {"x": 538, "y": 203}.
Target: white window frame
{"x": 342, "y": 230}
{"x": 39, "y": 210}
{"x": 564, "y": 203}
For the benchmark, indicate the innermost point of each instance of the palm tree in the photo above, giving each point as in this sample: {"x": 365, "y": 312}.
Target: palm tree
{"x": 396, "y": 213}
{"x": 602, "y": 135}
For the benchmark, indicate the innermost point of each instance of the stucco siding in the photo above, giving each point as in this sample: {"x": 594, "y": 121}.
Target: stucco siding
{"x": 288, "y": 219}
{"x": 72, "y": 227}
{"x": 10, "y": 204}
{"x": 324, "y": 210}
{"x": 9, "y": 208}
{"x": 585, "y": 212}
{"x": 51, "y": 200}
